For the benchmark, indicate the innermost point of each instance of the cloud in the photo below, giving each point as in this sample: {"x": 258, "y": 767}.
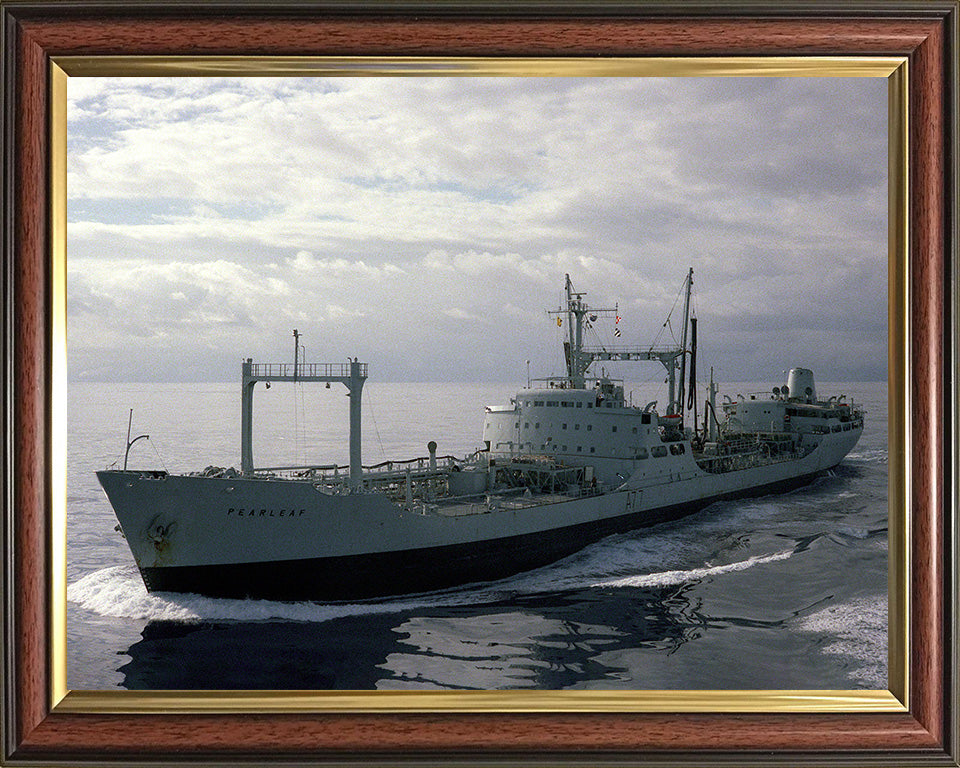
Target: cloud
{"x": 405, "y": 218}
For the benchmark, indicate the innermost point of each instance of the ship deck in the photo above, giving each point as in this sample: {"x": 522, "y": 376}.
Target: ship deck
{"x": 482, "y": 504}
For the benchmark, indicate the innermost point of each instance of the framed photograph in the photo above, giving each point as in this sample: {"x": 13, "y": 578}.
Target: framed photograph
{"x": 448, "y": 193}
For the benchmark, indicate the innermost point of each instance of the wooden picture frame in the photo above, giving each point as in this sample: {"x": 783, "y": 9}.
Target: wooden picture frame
{"x": 40, "y": 729}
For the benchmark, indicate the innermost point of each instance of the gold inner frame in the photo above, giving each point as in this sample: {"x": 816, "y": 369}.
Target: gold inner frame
{"x": 895, "y": 699}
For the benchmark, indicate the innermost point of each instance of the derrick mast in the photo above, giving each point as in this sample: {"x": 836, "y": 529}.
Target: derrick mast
{"x": 579, "y": 358}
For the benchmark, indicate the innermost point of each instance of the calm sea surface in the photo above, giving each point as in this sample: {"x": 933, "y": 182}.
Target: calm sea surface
{"x": 784, "y": 591}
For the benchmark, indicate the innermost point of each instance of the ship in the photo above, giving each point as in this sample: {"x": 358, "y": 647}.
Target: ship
{"x": 565, "y": 463}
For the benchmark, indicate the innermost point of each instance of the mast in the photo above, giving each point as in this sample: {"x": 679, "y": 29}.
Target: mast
{"x": 577, "y": 360}
{"x": 580, "y": 358}
{"x": 573, "y": 364}
{"x": 712, "y": 429}
{"x": 296, "y": 352}
{"x": 130, "y": 442}
{"x": 683, "y": 342}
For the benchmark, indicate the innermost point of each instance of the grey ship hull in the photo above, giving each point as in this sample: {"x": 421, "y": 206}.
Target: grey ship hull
{"x": 381, "y": 574}
{"x": 396, "y": 571}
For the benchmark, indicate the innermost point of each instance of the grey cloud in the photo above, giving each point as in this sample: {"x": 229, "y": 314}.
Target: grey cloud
{"x": 773, "y": 190}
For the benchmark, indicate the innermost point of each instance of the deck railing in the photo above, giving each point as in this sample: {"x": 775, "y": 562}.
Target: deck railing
{"x": 338, "y": 472}
{"x": 305, "y": 370}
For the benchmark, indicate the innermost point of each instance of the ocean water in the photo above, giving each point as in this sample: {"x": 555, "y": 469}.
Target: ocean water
{"x": 786, "y": 591}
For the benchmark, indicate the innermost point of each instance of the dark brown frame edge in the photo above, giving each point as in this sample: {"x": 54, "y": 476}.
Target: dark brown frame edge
{"x": 926, "y": 32}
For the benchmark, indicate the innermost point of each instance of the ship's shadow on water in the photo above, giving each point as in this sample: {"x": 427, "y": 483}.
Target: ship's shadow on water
{"x": 526, "y": 642}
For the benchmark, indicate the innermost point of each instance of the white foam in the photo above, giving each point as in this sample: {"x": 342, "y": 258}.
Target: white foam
{"x": 670, "y": 578}
{"x": 868, "y": 456}
{"x": 118, "y": 592}
{"x": 857, "y": 632}
{"x": 853, "y": 533}
{"x": 683, "y": 547}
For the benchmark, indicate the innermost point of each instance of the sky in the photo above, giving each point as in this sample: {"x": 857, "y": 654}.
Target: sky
{"x": 425, "y": 224}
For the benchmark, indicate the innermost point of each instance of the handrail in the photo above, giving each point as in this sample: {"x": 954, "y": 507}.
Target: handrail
{"x": 338, "y": 471}
{"x": 620, "y": 348}
{"x": 304, "y": 369}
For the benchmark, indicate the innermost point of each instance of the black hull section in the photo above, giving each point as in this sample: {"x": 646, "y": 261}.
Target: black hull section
{"x": 358, "y": 577}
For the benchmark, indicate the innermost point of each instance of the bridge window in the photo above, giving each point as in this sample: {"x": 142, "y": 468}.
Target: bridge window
{"x": 526, "y": 425}
{"x": 644, "y": 418}
{"x": 642, "y": 453}
{"x": 634, "y": 430}
{"x": 579, "y": 448}
{"x": 576, "y": 426}
{"x": 659, "y": 451}
{"x": 538, "y": 403}
{"x": 579, "y": 404}
{"x": 614, "y": 427}
{"x": 589, "y": 427}
{"x": 592, "y": 449}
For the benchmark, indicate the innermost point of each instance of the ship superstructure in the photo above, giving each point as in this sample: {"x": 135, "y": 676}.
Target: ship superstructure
{"x": 568, "y": 461}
